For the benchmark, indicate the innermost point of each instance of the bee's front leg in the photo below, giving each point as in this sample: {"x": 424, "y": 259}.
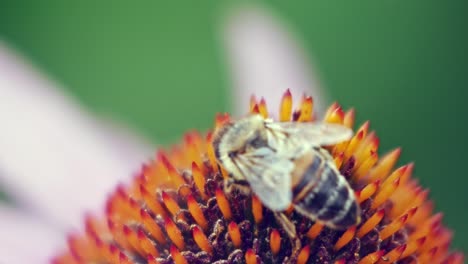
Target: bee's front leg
{"x": 290, "y": 229}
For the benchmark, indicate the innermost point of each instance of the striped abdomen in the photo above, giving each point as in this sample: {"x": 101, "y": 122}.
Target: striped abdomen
{"x": 321, "y": 193}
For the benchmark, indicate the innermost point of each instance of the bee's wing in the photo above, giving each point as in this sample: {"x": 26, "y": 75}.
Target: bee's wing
{"x": 291, "y": 137}
{"x": 269, "y": 176}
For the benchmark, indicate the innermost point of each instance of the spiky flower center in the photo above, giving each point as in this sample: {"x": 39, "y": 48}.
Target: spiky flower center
{"x": 175, "y": 211}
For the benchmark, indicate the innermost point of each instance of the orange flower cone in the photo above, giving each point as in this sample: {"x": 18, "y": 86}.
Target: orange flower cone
{"x": 175, "y": 210}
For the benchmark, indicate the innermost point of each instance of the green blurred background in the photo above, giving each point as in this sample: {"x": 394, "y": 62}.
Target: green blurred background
{"x": 158, "y": 66}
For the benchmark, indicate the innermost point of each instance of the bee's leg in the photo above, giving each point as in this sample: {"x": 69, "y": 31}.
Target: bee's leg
{"x": 231, "y": 185}
{"x": 290, "y": 229}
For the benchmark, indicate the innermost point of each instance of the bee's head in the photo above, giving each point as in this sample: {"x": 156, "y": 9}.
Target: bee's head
{"x": 238, "y": 136}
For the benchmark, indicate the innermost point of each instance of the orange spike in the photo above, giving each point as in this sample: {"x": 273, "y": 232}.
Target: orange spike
{"x": 94, "y": 226}
{"x": 315, "y": 230}
{"x": 384, "y": 166}
{"x": 256, "y": 109}
{"x": 193, "y": 147}
{"x": 371, "y": 223}
{"x": 172, "y": 174}
{"x": 437, "y": 237}
{"x": 422, "y": 214}
{"x": 117, "y": 234}
{"x": 210, "y": 151}
{"x": 353, "y": 144}
{"x": 336, "y": 116}
{"x": 275, "y": 241}
{"x": 367, "y": 191}
{"x": 137, "y": 180}
{"x": 441, "y": 252}
{"x": 414, "y": 198}
{"x": 234, "y": 234}
{"x": 257, "y": 209}
{"x": 368, "y": 146}
{"x": 384, "y": 193}
{"x": 134, "y": 208}
{"x": 286, "y": 106}
{"x": 340, "y": 261}
{"x": 252, "y": 102}
{"x": 176, "y": 178}
{"x": 348, "y": 120}
{"x": 429, "y": 225}
{"x": 119, "y": 202}
{"x": 196, "y": 212}
{"x": 151, "y": 226}
{"x": 413, "y": 246}
{"x": 174, "y": 233}
{"x": 146, "y": 244}
{"x": 419, "y": 200}
{"x": 398, "y": 173}
{"x": 223, "y": 204}
{"x": 331, "y": 108}
{"x": 153, "y": 175}
{"x": 250, "y": 257}
{"x": 178, "y": 156}
{"x": 372, "y": 257}
{"x": 177, "y": 257}
{"x": 132, "y": 237}
{"x": 199, "y": 179}
{"x": 79, "y": 247}
{"x": 364, "y": 168}
{"x": 170, "y": 204}
{"x": 427, "y": 256}
{"x": 364, "y": 128}
{"x": 201, "y": 240}
{"x": 221, "y": 120}
{"x": 411, "y": 212}
{"x": 403, "y": 196}
{"x": 263, "y": 108}
{"x": 345, "y": 238}
{"x": 393, "y": 255}
{"x": 394, "y": 226}
{"x": 408, "y": 173}
{"x": 115, "y": 253}
{"x": 307, "y": 105}
{"x": 104, "y": 249}
{"x": 303, "y": 255}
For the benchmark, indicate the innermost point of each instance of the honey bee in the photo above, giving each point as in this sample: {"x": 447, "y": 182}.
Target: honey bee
{"x": 284, "y": 164}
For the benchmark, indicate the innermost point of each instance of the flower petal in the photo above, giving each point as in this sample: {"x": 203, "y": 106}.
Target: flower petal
{"x": 266, "y": 59}
{"x": 25, "y": 239}
{"x": 54, "y": 158}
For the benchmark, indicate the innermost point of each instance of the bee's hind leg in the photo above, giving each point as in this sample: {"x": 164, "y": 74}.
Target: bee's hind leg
{"x": 290, "y": 229}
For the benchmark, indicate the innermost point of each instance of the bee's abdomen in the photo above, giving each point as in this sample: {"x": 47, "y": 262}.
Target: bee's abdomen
{"x": 330, "y": 199}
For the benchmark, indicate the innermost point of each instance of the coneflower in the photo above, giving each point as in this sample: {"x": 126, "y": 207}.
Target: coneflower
{"x": 175, "y": 210}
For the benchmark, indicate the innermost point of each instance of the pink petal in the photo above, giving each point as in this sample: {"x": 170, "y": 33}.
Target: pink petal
{"x": 25, "y": 239}
{"x": 54, "y": 159}
{"x": 265, "y": 59}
